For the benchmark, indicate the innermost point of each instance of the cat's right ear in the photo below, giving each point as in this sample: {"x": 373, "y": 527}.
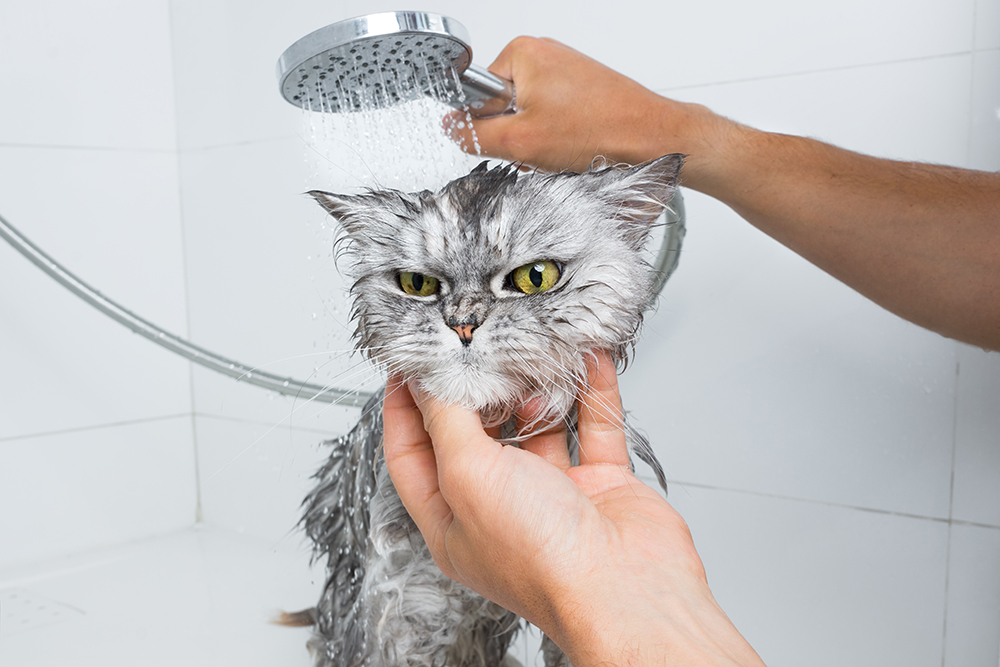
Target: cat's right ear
{"x": 345, "y": 209}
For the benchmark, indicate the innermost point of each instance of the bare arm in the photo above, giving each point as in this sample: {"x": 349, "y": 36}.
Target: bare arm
{"x": 921, "y": 240}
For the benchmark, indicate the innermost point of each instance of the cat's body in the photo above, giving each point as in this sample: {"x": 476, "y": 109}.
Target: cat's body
{"x": 491, "y": 293}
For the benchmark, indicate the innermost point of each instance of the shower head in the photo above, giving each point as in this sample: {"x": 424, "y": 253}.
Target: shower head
{"x": 379, "y": 60}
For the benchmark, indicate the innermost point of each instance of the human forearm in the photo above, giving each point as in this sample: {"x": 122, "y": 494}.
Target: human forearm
{"x": 923, "y": 241}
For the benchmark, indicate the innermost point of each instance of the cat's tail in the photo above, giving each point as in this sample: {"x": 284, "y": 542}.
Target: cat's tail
{"x": 296, "y": 619}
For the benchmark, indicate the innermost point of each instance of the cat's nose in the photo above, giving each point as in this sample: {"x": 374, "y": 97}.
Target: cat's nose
{"x": 464, "y": 332}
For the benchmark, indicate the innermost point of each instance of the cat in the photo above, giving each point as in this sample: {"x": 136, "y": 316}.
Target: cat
{"x": 490, "y": 292}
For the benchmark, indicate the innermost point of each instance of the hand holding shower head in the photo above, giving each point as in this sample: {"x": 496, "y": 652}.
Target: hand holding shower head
{"x": 379, "y": 60}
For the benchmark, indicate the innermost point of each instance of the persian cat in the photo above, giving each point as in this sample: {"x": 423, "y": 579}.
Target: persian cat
{"x": 490, "y": 293}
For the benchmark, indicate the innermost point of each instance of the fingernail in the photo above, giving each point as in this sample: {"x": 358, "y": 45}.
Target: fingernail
{"x": 416, "y": 391}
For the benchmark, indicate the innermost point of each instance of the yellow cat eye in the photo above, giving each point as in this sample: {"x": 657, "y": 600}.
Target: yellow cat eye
{"x": 535, "y": 277}
{"x": 417, "y": 284}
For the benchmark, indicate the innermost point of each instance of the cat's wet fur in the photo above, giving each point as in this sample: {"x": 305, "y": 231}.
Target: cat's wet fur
{"x": 480, "y": 341}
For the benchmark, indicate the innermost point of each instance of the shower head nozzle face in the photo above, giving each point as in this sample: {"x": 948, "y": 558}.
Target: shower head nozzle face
{"x": 375, "y": 61}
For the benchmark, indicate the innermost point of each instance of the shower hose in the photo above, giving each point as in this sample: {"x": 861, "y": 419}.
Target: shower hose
{"x": 665, "y": 264}
{"x": 187, "y": 349}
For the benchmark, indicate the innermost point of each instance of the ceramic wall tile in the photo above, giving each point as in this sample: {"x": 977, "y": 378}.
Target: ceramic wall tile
{"x": 977, "y": 437}
{"x": 263, "y": 286}
{"x": 225, "y": 58}
{"x": 987, "y": 24}
{"x": 76, "y": 491}
{"x": 760, "y": 372}
{"x": 972, "y": 637}
{"x": 112, "y": 218}
{"x": 96, "y": 74}
{"x": 824, "y": 585}
{"x": 984, "y": 134}
{"x": 254, "y": 478}
{"x": 913, "y": 110}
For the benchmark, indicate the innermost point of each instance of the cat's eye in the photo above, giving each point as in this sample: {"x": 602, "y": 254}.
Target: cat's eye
{"x": 417, "y": 284}
{"x": 535, "y": 277}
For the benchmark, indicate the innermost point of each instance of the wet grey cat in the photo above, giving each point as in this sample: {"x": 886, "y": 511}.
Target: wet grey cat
{"x": 490, "y": 292}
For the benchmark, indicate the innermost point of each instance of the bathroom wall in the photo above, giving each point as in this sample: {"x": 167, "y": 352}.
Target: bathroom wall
{"x": 96, "y": 433}
{"x": 839, "y": 467}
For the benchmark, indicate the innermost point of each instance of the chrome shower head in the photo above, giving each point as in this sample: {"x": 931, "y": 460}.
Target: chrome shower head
{"x": 380, "y": 60}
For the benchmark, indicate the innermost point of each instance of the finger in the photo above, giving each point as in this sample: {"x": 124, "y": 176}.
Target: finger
{"x": 456, "y": 431}
{"x": 550, "y": 444}
{"x": 480, "y": 136}
{"x": 410, "y": 459}
{"x": 601, "y": 423}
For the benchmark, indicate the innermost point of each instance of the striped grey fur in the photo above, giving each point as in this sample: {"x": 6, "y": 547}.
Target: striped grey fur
{"x": 385, "y": 603}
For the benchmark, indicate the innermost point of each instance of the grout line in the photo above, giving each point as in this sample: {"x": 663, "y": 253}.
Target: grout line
{"x": 785, "y": 75}
{"x": 109, "y": 149}
{"x": 237, "y": 420}
{"x": 680, "y": 484}
{"x": 130, "y": 422}
{"x": 198, "y": 510}
{"x": 951, "y": 501}
{"x": 236, "y": 144}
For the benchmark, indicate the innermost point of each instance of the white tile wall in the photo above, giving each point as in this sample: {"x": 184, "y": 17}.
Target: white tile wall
{"x": 984, "y": 135}
{"x": 254, "y": 477}
{"x": 80, "y": 490}
{"x": 226, "y": 88}
{"x": 88, "y": 171}
{"x": 263, "y": 285}
{"x": 987, "y": 24}
{"x": 822, "y": 585}
{"x": 973, "y": 627}
{"x": 95, "y": 74}
{"x": 749, "y": 378}
{"x": 111, "y": 217}
{"x": 976, "y": 495}
{"x": 911, "y": 110}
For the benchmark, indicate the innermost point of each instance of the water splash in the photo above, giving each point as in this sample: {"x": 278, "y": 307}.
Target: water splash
{"x": 402, "y": 146}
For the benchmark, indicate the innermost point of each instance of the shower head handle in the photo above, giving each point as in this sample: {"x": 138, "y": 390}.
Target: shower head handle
{"x": 486, "y": 94}
{"x": 382, "y": 59}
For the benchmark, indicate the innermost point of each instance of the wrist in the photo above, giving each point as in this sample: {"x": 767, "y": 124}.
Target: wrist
{"x": 679, "y": 623}
{"x": 714, "y": 146}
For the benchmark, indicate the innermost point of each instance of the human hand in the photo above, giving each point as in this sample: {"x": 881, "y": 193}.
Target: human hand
{"x": 590, "y": 554}
{"x": 572, "y": 109}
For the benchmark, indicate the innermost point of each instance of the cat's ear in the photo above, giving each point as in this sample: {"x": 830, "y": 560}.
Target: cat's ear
{"x": 640, "y": 193}
{"x": 347, "y": 210}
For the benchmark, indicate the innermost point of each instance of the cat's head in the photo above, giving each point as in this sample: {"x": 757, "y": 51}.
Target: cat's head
{"x": 493, "y": 290}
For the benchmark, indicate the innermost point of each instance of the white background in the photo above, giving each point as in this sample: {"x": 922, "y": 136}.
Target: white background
{"x": 840, "y": 468}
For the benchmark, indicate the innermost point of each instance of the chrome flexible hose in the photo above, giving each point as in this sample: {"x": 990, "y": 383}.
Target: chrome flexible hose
{"x": 188, "y": 350}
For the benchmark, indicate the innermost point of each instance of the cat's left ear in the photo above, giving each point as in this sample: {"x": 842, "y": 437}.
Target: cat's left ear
{"x": 639, "y": 194}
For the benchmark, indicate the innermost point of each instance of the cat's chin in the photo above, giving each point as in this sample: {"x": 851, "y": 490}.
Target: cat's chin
{"x": 497, "y": 401}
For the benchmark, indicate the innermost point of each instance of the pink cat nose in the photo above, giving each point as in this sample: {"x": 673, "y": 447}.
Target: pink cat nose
{"x": 464, "y": 332}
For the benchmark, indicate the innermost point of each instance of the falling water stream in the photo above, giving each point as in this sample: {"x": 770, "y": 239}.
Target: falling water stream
{"x": 367, "y": 143}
